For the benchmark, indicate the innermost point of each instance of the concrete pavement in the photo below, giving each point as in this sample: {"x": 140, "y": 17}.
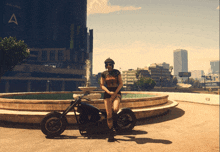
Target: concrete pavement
{"x": 211, "y": 99}
{"x": 190, "y": 127}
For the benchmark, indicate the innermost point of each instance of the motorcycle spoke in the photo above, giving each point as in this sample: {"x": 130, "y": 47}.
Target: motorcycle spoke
{"x": 124, "y": 121}
{"x": 53, "y": 125}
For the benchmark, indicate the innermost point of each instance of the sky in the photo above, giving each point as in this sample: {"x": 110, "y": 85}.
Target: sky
{"x": 137, "y": 33}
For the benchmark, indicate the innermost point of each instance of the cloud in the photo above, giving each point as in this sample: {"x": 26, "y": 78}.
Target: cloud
{"x": 217, "y": 7}
{"x": 104, "y": 7}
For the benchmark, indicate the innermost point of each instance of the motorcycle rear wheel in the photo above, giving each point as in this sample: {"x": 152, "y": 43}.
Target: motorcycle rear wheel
{"x": 52, "y": 125}
{"x": 126, "y": 120}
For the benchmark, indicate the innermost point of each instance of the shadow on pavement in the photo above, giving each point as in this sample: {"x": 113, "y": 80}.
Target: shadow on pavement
{"x": 129, "y": 135}
{"x": 144, "y": 140}
{"x": 132, "y": 132}
{"x": 170, "y": 115}
{"x": 101, "y": 135}
{"x": 63, "y": 137}
{"x": 7, "y": 124}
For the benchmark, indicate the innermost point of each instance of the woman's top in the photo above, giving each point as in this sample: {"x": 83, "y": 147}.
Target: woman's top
{"x": 111, "y": 78}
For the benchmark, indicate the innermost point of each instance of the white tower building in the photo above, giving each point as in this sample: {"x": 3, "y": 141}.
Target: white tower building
{"x": 197, "y": 74}
{"x": 180, "y": 61}
{"x": 215, "y": 66}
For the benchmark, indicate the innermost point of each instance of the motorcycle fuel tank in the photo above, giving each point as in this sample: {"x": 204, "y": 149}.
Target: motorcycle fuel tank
{"x": 89, "y": 108}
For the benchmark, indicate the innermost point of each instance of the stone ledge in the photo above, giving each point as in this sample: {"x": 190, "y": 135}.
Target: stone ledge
{"x": 60, "y": 105}
{"x": 36, "y": 117}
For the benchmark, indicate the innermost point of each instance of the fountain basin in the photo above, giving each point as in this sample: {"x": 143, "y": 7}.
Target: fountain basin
{"x": 84, "y": 89}
{"x": 90, "y": 96}
{"x": 33, "y": 110}
{"x": 60, "y": 105}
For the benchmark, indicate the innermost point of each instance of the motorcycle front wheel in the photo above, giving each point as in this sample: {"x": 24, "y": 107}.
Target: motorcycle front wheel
{"x": 126, "y": 120}
{"x": 52, "y": 125}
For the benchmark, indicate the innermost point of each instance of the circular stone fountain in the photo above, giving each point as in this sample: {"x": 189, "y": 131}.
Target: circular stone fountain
{"x": 34, "y": 110}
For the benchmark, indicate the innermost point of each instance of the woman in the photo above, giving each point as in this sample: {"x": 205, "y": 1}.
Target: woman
{"x": 112, "y": 95}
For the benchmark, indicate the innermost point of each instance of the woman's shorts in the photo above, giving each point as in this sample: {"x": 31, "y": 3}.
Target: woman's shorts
{"x": 113, "y": 89}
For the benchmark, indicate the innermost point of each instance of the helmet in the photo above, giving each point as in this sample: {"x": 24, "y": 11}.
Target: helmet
{"x": 109, "y": 61}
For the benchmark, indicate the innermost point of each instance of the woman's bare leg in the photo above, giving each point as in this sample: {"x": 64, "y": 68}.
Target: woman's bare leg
{"x": 108, "y": 107}
{"x": 115, "y": 110}
{"x": 116, "y": 104}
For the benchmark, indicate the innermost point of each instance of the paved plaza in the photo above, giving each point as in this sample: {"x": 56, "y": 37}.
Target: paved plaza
{"x": 189, "y": 127}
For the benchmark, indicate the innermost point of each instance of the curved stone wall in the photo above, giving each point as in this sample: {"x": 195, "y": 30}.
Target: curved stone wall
{"x": 60, "y": 105}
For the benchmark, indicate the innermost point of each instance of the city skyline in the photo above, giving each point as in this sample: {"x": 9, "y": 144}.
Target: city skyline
{"x": 139, "y": 33}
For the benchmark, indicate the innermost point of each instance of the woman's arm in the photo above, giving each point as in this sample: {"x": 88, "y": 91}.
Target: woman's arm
{"x": 102, "y": 81}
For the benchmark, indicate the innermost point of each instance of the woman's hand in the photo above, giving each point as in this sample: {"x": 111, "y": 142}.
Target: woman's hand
{"x": 111, "y": 93}
{"x": 112, "y": 98}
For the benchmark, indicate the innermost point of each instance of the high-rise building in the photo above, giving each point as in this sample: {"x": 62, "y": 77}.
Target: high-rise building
{"x": 215, "y": 66}
{"x": 159, "y": 72}
{"x": 56, "y": 34}
{"x": 164, "y": 65}
{"x": 180, "y": 61}
{"x": 45, "y": 24}
{"x": 197, "y": 74}
{"x": 129, "y": 77}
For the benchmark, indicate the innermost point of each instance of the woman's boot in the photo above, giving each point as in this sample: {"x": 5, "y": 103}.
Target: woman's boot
{"x": 115, "y": 118}
{"x": 111, "y": 135}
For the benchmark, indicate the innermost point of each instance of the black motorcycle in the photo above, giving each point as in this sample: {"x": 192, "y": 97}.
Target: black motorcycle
{"x": 90, "y": 119}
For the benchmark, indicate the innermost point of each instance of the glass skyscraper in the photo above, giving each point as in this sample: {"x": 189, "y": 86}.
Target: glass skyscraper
{"x": 56, "y": 34}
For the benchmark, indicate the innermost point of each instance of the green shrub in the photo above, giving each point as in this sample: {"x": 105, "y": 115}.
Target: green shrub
{"x": 144, "y": 83}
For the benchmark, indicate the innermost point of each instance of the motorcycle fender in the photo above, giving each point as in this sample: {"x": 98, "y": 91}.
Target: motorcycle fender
{"x": 55, "y": 112}
{"x": 59, "y": 114}
{"x": 124, "y": 109}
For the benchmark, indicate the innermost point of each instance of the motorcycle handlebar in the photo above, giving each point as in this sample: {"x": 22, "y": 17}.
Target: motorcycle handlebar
{"x": 80, "y": 97}
{"x": 86, "y": 93}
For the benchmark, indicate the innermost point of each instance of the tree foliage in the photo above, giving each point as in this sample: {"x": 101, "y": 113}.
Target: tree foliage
{"x": 99, "y": 80}
{"x": 168, "y": 81}
{"x": 144, "y": 83}
{"x": 194, "y": 83}
{"x": 137, "y": 74}
{"x": 175, "y": 81}
{"x": 12, "y": 52}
